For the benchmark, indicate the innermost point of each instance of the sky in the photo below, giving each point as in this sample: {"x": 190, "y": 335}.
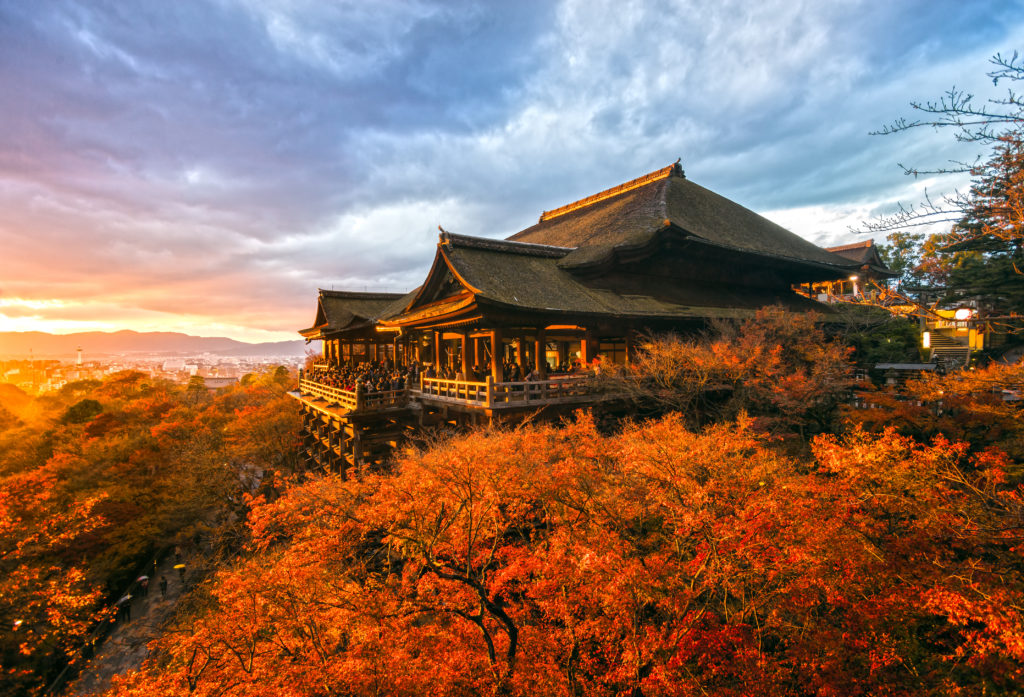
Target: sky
{"x": 205, "y": 166}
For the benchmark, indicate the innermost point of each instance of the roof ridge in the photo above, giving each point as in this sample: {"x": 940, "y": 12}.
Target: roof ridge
{"x": 359, "y": 295}
{"x": 528, "y": 248}
{"x": 852, "y": 245}
{"x": 673, "y": 169}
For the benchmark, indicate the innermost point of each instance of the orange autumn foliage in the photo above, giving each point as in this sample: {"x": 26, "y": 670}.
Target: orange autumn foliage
{"x": 657, "y": 561}
{"x": 98, "y": 477}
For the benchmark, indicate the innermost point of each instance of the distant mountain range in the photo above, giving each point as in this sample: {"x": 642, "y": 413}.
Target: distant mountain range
{"x": 96, "y": 344}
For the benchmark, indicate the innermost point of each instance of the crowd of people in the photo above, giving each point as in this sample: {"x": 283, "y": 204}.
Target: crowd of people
{"x": 384, "y": 376}
{"x": 381, "y": 376}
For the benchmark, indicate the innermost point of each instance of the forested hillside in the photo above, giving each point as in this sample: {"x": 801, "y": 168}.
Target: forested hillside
{"x": 719, "y": 550}
{"x": 752, "y": 533}
{"x": 97, "y": 479}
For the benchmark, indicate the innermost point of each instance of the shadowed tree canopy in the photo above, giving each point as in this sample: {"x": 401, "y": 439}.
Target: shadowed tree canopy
{"x": 981, "y": 256}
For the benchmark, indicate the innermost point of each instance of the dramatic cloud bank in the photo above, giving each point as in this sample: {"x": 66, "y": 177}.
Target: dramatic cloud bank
{"x": 204, "y": 166}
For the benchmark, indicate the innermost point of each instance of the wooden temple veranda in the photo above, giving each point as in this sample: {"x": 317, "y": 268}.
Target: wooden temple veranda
{"x": 655, "y": 254}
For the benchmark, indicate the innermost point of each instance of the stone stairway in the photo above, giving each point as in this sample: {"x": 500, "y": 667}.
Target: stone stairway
{"x": 949, "y": 353}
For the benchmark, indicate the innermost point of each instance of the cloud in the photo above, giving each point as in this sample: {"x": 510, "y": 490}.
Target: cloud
{"x": 217, "y": 161}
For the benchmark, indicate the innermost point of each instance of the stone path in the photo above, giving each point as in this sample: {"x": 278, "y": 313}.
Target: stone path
{"x": 125, "y": 648}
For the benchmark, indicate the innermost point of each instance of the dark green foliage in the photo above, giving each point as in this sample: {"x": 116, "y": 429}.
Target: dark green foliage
{"x": 877, "y": 336}
{"x": 82, "y": 411}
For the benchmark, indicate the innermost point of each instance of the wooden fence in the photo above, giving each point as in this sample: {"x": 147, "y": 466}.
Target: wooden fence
{"x": 353, "y": 400}
{"x": 497, "y": 395}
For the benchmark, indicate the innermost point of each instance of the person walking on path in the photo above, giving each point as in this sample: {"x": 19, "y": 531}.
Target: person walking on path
{"x": 163, "y": 587}
{"x": 124, "y": 608}
{"x": 144, "y": 584}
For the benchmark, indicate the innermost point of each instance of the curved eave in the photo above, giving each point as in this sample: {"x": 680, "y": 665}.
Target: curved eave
{"x": 439, "y": 311}
{"x": 327, "y": 331}
{"x": 670, "y": 313}
{"x": 441, "y": 265}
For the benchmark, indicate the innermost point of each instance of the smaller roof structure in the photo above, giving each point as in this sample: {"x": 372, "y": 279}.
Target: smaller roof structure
{"x": 342, "y": 310}
{"x": 865, "y": 255}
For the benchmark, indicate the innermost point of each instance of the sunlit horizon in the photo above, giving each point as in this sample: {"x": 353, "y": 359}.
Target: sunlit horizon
{"x": 183, "y": 324}
{"x": 204, "y": 168}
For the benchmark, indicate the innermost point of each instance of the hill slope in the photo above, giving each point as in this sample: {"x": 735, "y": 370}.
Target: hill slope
{"x": 43, "y": 345}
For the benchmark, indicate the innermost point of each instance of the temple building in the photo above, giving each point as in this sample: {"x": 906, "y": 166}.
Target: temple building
{"x": 655, "y": 254}
{"x": 865, "y": 282}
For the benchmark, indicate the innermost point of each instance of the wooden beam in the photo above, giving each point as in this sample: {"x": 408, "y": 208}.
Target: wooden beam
{"x": 464, "y": 346}
{"x": 437, "y": 351}
{"x": 497, "y": 354}
{"x": 540, "y": 351}
{"x": 587, "y": 349}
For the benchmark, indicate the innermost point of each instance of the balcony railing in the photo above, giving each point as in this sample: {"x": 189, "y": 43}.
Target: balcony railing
{"x": 491, "y": 395}
{"x": 486, "y": 395}
{"x": 354, "y": 400}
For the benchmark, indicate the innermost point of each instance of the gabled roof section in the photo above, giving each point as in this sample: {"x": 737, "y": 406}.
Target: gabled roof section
{"x": 447, "y": 280}
{"x": 631, "y": 215}
{"x": 865, "y": 255}
{"x": 529, "y": 277}
{"x": 341, "y": 309}
{"x": 529, "y": 249}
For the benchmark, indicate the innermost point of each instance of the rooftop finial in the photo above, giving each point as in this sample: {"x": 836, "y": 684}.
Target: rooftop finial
{"x": 677, "y": 168}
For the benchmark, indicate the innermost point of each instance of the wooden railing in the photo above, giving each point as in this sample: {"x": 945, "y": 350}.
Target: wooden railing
{"x": 354, "y": 400}
{"x": 487, "y": 394}
{"x": 490, "y": 394}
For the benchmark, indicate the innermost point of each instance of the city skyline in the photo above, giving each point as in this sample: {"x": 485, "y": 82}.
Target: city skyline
{"x": 204, "y": 167}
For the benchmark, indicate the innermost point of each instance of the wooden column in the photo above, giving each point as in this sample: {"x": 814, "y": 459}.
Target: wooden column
{"x": 587, "y": 353}
{"x": 477, "y": 358}
{"x": 540, "y": 362}
{"x": 497, "y": 353}
{"x": 437, "y": 351}
{"x": 465, "y": 354}
{"x": 521, "y": 351}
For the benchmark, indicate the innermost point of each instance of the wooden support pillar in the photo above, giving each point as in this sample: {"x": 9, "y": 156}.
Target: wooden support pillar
{"x": 563, "y": 352}
{"x": 478, "y": 358}
{"x": 497, "y": 353}
{"x": 521, "y": 351}
{"x": 465, "y": 355}
{"x": 437, "y": 351}
{"x": 587, "y": 352}
{"x": 540, "y": 362}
